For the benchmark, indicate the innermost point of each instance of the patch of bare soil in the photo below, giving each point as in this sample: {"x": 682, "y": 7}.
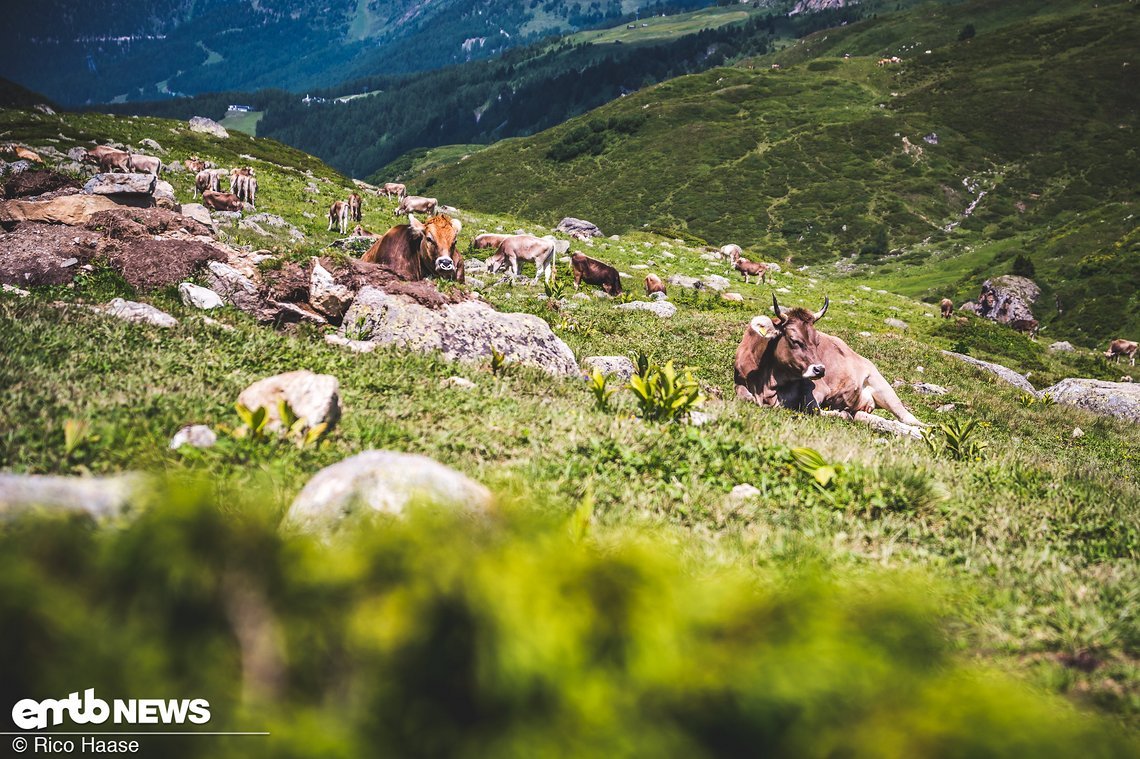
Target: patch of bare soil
{"x": 148, "y": 264}
{"x": 289, "y": 284}
{"x": 127, "y": 223}
{"x": 35, "y": 254}
{"x": 27, "y": 184}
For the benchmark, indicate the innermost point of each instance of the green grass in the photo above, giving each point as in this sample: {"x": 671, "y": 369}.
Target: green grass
{"x": 1039, "y": 536}
{"x": 807, "y": 163}
{"x": 242, "y": 122}
{"x": 667, "y": 28}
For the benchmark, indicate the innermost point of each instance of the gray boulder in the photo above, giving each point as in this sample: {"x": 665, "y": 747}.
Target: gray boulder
{"x": 120, "y": 184}
{"x": 1002, "y": 372}
{"x": 198, "y": 213}
{"x": 326, "y": 295}
{"x": 896, "y": 323}
{"x": 234, "y": 287}
{"x": 1063, "y": 346}
{"x": 101, "y": 497}
{"x": 140, "y": 313}
{"x": 715, "y": 282}
{"x": 578, "y": 228}
{"x": 149, "y": 143}
{"x": 380, "y": 482}
{"x": 1008, "y": 299}
{"x": 199, "y": 297}
{"x": 1119, "y": 399}
{"x": 464, "y": 331}
{"x": 195, "y": 436}
{"x": 660, "y": 308}
{"x": 164, "y": 195}
{"x": 208, "y": 126}
{"x": 620, "y": 367}
{"x": 313, "y": 397}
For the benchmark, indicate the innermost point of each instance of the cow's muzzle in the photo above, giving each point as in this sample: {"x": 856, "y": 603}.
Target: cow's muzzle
{"x": 444, "y": 264}
{"x": 815, "y": 371}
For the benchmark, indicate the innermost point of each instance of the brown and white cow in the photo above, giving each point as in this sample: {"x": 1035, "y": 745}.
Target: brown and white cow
{"x": 517, "y": 248}
{"x": 393, "y": 190}
{"x": 222, "y": 201}
{"x": 416, "y": 250}
{"x": 354, "y": 202}
{"x": 144, "y": 164}
{"x": 115, "y": 159}
{"x": 1118, "y": 348}
{"x": 338, "y": 216}
{"x": 243, "y": 183}
{"x": 653, "y": 284}
{"x": 947, "y": 306}
{"x": 416, "y": 204}
{"x": 787, "y": 362}
{"x": 594, "y": 272}
{"x": 95, "y": 154}
{"x": 208, "y": 179}
{"x": 488, "y": 240}
{"x": 194, "y": 164}
{"x": 750, "y": 269}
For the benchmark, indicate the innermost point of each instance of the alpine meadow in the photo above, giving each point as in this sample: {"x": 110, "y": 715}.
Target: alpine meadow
{"x": 643, "y": 380}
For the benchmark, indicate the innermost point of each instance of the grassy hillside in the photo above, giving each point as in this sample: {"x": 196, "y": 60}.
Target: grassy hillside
{"x": 808, "y": 163}
{"x": 1021, "y": 556}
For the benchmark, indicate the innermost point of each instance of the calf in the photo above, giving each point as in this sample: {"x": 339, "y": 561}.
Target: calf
{"x": 594, "y": 272}
{"x": 517, "y": 248}
{"x": 653, "y": 284}
{"x": 115, "y": 159}
{"x": 416, "y": 204}
{"x": 208, "y": 179}
{"x": 751, "y": 268}
{"x": 144, "y": 164}
{"x": 416, "y": 250}
{"x": 947, "y": 308}
{"x": 1118, "y": 348}
{"x": 787, "y": 362}
{"x": 338, "y": 215}
{"x": 222, "y": 201}
{"x": 354, "y": 202}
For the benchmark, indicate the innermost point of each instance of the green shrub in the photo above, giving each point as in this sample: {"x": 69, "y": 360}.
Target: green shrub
{"x": 663, "y": 395}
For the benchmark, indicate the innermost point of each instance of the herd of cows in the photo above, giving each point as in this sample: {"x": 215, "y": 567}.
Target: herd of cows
{"x": 782, "y": 360}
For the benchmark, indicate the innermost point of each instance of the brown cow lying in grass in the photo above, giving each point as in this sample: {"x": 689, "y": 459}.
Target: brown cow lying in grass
{"x": 222, "y": 201}
{"x": 787, "y": 362}
{"x": 416, "y": 250}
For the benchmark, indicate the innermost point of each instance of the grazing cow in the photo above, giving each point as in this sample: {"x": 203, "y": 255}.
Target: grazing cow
{"x": 525, "y": 248}
{"x": 415, "y": 204}
{"x": 594, "y": 272}
{"x": 416, "y": 250}
{"x": 208, "y": 179}
{"x": 731, "y": 252}
{"x": 487, "y": 240}
{"x": 653, "y": 284}
{"x": 1118, "y": 348}
{"x": 338, "y": 215}
{"x": 354, "y": 202}
{"x": 787, "y": 362}
{"x": 1027, "y": 326}
{"x": 144, "y": 164}
{"x": 115, "y": 159}
{"x": 750, "y": 268}
{"x": 95, "y": 154}
{"x": 947, "y": 308}
{"x": 222, "y": 201}
{"x": 393, "y": 190}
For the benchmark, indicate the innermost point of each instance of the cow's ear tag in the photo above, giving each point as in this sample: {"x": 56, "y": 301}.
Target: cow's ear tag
{"x": 764, "y": 327}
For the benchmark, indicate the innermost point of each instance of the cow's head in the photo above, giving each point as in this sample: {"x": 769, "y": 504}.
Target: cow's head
{"x": 797, "y": 342}
{"x": 437, "y": 237}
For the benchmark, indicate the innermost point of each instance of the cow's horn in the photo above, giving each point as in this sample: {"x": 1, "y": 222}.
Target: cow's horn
{"x": 775, "y": 305}
{"x": 819, "y": 314}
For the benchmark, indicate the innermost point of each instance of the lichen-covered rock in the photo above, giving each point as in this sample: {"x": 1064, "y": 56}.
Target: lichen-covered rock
{"x": 661, "y": 308}
{"x": 896, "y": 323}
{"x": 1119, "y": 399}
{"x": 1004, "y": 373}
{"x": 578, "y": 228}
{"x": 120, "y": 184}
{"x": 140, "y": 313}
{"x": 208, "y": 126}
{"x": 1064, "y": 346}
{"x": 198, "y": 213}
{"x": 466, "y": 331}
{"x": 233, "y": 286}
{"x": 619, "y": 367}
{"x": 313, "y": 397}
{"x": 1008, "y": 299}
{"x": 195, "y": 436}
{"x": 199, "y": 297}
{"x": 326, "y": 294}
{"x": 380, "y": 482}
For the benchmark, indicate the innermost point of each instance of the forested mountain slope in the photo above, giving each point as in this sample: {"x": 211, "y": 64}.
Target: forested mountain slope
{"x": 1015, "y": 133}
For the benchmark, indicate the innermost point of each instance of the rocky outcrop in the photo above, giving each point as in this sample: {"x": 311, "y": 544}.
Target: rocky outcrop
{"x": 1119, "y": 399}
{"x": 578, "y": 228}
{"x": 326, "y": 295}
{"x": 71, "y": 210}
{"x": 120, "y": 184}
{"x": 208, "y": 126}
{"x": 380, "y": 482}
{"x": 234, "y": 287}
{"x": 1007, "y": 299}
{"x": 466, "y": 331}
{"x": 313, "y": 397}
{"x": 1004, "y": 373}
